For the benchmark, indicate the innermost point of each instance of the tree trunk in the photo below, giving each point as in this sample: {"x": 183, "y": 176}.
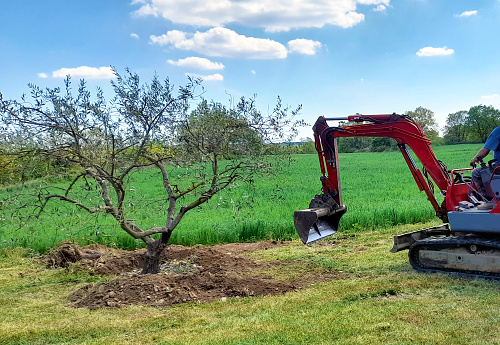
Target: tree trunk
{"x": 152, "y": 257}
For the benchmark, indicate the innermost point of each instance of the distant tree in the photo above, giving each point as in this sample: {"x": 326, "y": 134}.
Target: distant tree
{"x": 307, "y": 146}
{"x": 456, "y": 127}
{"x": 147, "y": 125}
{"x": 481, "y": 120}
{"x": 381, "y": 144}
{"x": 19, "y": 168}
{"x": 354, "y": 144}
{"x": 425, "y": 119}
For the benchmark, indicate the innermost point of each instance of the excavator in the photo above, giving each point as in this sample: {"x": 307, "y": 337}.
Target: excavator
{"x": 468, "y": 241}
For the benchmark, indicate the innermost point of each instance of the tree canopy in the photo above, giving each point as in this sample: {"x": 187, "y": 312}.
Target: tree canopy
{"x": 145, "y": 126}
{"x": 474, "y": 125}
{"x": 426, "y": 119}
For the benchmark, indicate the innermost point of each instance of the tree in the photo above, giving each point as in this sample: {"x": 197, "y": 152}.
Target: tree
{"x": 383, "y": 144}
{"x": 146, "y": 126}
{"x": 425, "y": 118}
{"x": 307, "y": 146}
{"x": 456, "y": 127}
{"x": 481, "y": 120}
{"x": 354, "y": 144}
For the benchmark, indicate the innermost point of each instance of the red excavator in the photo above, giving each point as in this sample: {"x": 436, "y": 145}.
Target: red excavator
{"x": 467, "y": 243}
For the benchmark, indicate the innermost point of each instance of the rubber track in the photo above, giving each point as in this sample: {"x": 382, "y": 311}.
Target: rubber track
{"x": 452, "y": 242}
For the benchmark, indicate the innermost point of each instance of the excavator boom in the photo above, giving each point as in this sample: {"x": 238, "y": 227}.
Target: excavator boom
{"x": 322, "y": 217}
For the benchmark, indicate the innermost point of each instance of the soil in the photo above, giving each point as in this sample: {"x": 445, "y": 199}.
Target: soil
{"x": 188, "y": 274}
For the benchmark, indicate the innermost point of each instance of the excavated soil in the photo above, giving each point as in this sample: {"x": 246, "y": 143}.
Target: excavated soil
{"x": 188, "y": 274}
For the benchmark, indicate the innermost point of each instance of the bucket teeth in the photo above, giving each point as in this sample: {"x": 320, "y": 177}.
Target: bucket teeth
{"x": 313, "y": 224}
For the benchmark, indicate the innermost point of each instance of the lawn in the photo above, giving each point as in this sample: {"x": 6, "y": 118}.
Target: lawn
{"x": 378, "y": 300}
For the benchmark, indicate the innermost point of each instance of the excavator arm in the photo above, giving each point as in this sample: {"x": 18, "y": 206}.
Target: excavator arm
{"x": 469, "y": 244}
{"x": 325, "y": 210}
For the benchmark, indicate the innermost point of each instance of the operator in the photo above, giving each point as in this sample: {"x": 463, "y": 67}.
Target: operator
{"x": 491, "y": 144}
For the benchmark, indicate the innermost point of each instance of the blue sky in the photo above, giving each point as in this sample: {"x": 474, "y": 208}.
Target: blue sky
{"x": 335, "y": 57}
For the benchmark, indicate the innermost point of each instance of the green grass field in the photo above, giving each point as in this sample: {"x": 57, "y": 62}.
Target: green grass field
{"x": 377, "y": 188}
{"x": 378, "y": 300}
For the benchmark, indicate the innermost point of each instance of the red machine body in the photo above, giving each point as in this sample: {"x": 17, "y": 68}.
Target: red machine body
{"x": 440, "y": 248}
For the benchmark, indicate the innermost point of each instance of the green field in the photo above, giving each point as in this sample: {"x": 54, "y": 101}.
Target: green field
{"x": 377, "y": 188}
{"x": 379, "y": 299}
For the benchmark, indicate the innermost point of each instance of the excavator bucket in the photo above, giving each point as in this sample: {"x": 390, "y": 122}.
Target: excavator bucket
{"x": 313, "y": 224}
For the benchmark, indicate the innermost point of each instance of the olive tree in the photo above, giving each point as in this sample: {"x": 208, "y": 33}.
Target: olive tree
{"x": 145, "y": 126}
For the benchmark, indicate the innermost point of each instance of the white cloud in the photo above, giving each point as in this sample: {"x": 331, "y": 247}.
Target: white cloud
{"x": 223, "y": 42}
{"x": 273, "y": 15}
{"x": 468, "y": 13}
{"x": 134, "y": 35}
{"x": 303, "y": 46}
{"x": 430, "y": 51}
{"x": 493, "y": 100}
{"x": 42, "y": 75}
{"x": 85, "y": 72}
{"x": 211, "y": 77}
{"x": 380, "y": 8}
{"x": 198, "y": 63}
{"x": 253, "y": 72}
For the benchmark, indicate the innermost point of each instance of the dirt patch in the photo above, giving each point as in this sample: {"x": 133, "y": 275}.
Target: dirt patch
{"x": 188, "y": 274}
{"x": 95, "y": 258}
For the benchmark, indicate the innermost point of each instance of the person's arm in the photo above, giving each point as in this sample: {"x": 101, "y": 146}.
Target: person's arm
{"x": 483, "y": 152}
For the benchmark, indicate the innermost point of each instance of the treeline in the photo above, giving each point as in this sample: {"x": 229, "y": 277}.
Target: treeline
{"x": 472, "y": 126}
{"x": 345, "y": 145}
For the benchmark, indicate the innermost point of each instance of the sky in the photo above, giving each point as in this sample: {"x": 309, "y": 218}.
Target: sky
{"x": 334, "y": 57}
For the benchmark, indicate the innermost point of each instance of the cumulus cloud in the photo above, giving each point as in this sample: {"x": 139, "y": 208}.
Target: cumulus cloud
{"x": 493, "y": 100}
{"x": 303, "y": 46}
{"x": 211, "y": 77}
{"x": 431, "y": 51}
{"x": 222, "y": 42}
{"x": 134, "y": 35}
{"x": 468, "y": 14}
{"x": 198, "y": 63}
{"x": 85, "y": 72}
{"x": 380, "y": 8}
{"x": 272, "y": 15}
{"x": 42, "y": 75}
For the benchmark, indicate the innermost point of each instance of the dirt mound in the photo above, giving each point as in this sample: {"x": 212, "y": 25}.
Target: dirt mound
{"x": 170, "y": 289}
{"x": 188, "y": 274}
{"x": 97, "y": 258}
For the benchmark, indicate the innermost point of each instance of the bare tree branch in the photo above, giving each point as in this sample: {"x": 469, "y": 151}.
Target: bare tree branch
{"x": 146, "y": 126}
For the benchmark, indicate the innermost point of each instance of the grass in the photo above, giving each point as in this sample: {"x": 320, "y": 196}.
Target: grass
{"x": 377, "y": 188}
{"x": 379, "y": 300}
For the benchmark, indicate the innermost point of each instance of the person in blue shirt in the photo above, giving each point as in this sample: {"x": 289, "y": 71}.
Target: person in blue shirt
{"x": 491, "y": 144}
